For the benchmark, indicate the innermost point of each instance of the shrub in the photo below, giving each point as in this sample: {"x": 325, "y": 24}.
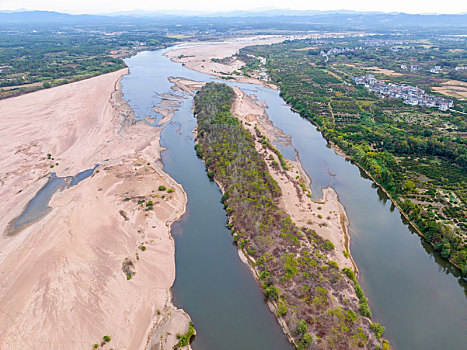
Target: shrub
{"x": 199, "y": 150}
{"x": 378, "y": 329}
{"x": 251, "y": 250}
{"x": 106, "y": 338}
{"x": 365, "y": 309}
{"x": 281, "y": 308}
{"x": 302, "y": 327}
{"x": 143, "y": 248}
{"x": 272, "y": 293}
{"x": 328, "y": 245}
{"x": 305, "y": 341}
{"x": 350, "y": 274}
{"x": 358, "y": 291}
{"x": 170, "y": 190}
{"x": 162, "y": 188}
{"x": 225, "y": 196}
{"x": 184, "y": 340}
{"x": 264, "y": 276}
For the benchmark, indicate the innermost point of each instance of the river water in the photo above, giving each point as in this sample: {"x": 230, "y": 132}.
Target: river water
{"x": 418, "y": 297}
{"x": 39, "y": 205}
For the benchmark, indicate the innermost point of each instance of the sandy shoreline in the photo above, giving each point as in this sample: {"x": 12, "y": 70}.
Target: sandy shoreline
{"x": 64, "y": 278}
{"x": 326, "y": 216}
{"x": 203, "y": 57}
{"x": 199, "y": 57}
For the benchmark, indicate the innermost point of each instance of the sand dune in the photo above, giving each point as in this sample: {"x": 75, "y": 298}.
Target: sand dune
{"x": 64, "y": 278}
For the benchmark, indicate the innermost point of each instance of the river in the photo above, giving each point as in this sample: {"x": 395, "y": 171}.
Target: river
{"x": 417, "y": 296}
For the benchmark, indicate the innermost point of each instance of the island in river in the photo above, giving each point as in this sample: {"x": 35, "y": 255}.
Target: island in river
{"x": 317, "y": 304}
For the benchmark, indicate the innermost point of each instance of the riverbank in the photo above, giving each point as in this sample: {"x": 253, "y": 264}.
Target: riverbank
{"x": 393, "y": 201}
{"x": 102, "y": 261}
{"x": 217, "y": 58}
{"x": 412, "y": 225}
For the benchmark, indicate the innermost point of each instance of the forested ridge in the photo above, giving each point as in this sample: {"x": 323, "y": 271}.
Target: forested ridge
{"x": 419, "y": 155}
{"x": 323, "y": 306}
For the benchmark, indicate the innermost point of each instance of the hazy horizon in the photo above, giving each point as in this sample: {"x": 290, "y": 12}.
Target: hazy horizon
{"x": 206, "y": 7}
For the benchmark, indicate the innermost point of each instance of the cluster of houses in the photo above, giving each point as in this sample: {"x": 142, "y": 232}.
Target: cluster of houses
{"x": 435, "y": 69}
{"x": 337, "y": 51}
{"x": 412, "y": 67}
{"x": 382, "y": 42}
{"x": 411, "y": 95}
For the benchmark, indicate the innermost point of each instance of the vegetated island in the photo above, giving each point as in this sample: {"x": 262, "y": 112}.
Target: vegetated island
{"x": 96, "y": 271}
{"x": 318, "y": 304}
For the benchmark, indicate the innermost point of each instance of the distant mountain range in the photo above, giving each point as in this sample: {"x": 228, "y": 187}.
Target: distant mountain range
{"x": 342, "y": 18}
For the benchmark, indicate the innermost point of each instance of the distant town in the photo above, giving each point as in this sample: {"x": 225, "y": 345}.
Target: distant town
{"x": 411, "y": 95}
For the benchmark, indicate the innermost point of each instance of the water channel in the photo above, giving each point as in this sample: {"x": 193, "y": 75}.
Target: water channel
{"x": 418, "y": 297}
{"x": 39, "y": 205}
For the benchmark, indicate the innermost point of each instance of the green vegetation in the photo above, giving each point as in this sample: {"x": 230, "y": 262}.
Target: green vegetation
{"x": 328, "y": 245}
{"x": 364, "y": 308}
{"x": 281, "y": 308}
{"x": 378, "y": 329}
{"x": 291, "y": 262}
{"x": 106, "y": 338}
{"x": 184, "y": 340}
{"x": 31, "y": 61}
{"x": 417, "y": 154}
{"x": 162, "y": 188}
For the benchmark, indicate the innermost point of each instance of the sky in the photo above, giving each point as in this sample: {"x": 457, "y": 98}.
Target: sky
{"x": 109, "y": 6}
